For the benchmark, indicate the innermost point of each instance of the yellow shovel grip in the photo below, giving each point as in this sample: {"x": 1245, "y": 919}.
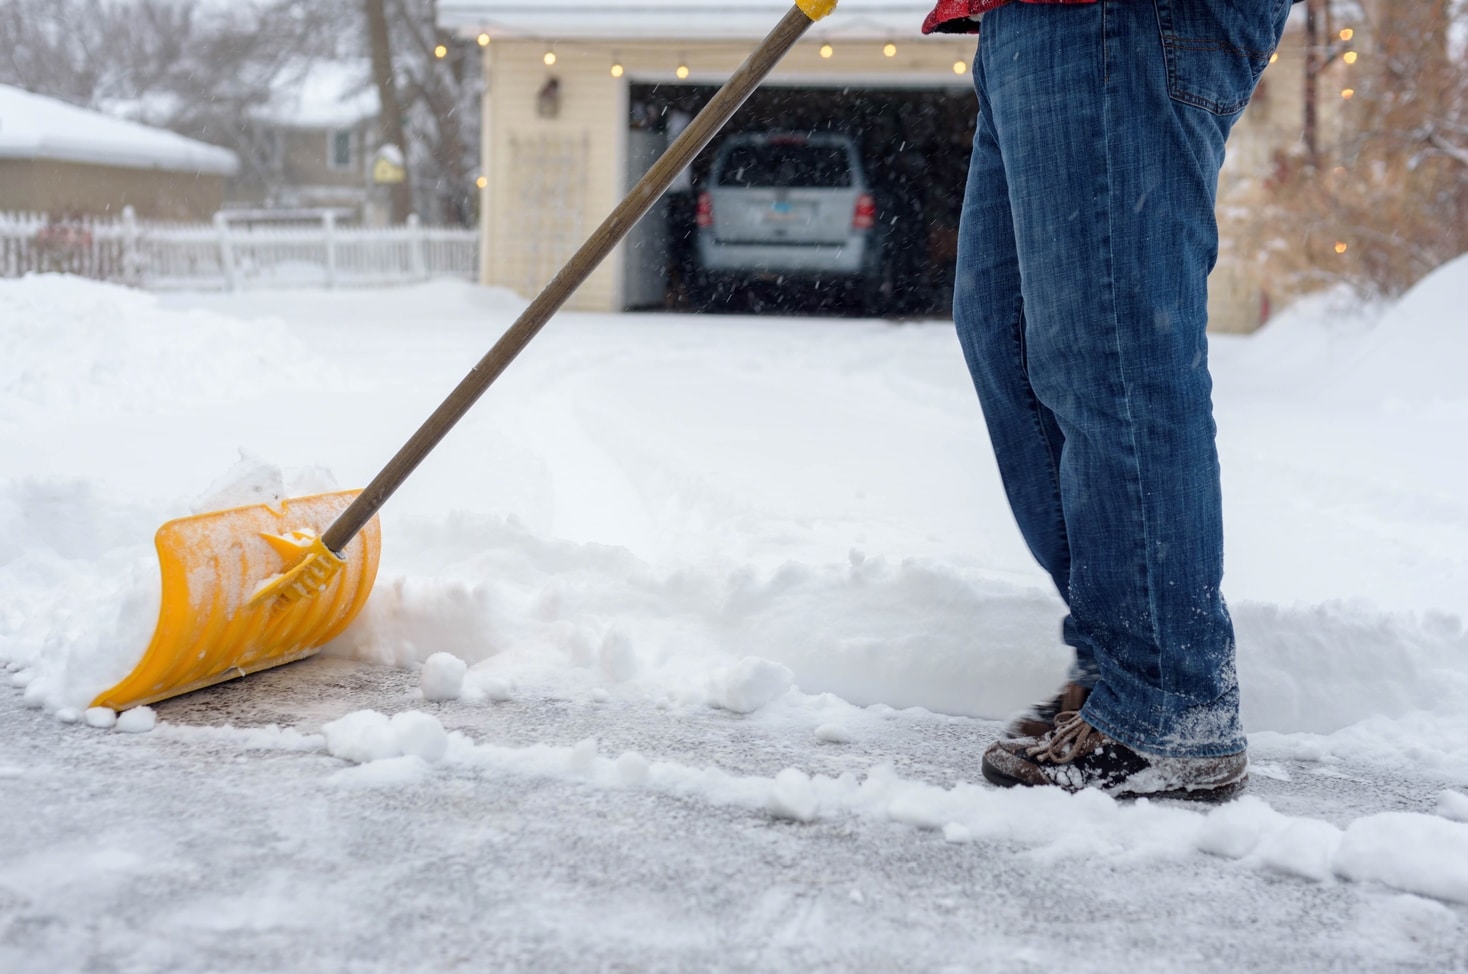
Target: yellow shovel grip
{"x": 816, "y": 9}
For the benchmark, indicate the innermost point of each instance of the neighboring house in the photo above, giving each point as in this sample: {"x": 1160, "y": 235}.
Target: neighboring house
{"x": 313, "y": 143}
{"x": 579, "y": 99}
{"x": 66, "y": 161}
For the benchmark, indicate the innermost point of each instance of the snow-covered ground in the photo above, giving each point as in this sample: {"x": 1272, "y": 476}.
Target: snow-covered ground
{"x": 740, "y": 603}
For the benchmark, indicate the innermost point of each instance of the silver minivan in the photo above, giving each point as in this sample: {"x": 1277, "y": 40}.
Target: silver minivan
{"x": 789, "y": 204}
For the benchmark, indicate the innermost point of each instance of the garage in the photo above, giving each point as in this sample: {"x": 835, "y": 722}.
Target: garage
{"x": 580, "y": 98}
{"x": 912, "y": 144}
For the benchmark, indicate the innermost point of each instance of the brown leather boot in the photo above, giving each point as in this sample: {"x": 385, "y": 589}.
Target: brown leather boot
{"x": 1075, "y": 756}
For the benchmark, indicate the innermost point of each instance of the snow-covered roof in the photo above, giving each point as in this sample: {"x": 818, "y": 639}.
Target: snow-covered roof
{"x": 35, "y": 127}
{"x": 674, "y": 19}
{"x": 324, "y": 94}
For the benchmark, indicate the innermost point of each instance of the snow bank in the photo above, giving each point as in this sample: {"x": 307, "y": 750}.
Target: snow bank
{"x": 70, "y": 346}
{"x": 1414, "y": 355}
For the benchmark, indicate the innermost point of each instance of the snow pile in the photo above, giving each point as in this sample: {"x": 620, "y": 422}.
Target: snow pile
{"x": 74, "y": 345}
{"x": 1414, "y": 356}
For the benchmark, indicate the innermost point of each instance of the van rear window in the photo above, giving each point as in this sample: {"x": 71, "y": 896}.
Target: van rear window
{"x": 786, "y": 166}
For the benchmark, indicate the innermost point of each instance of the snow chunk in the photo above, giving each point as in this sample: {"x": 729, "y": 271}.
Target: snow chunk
{"x": 833, "y": 734}
{"x": 138, "y": 720}
{"x": 582, "y": 759}
{"x": 1416, "y": 853}
{"x": 1236, "y": 829}
{"x": 443, "y": 677}
{"x": 1305, "y": 847}
{"x": 632, "y": 768}
{"x": 750, "y": 684}
{"x": 957, "y": 834}
{"x": 792, "y": 796}
{"x": 365, "y": 736}
{"x": 1453, "y": 805}
{"x": 100, "y": 717}
{"x": 420, "y": 735}
{"x": 386, "y": 773}
{"x": 617, "y": 658}
{"x": 495, "y": 690}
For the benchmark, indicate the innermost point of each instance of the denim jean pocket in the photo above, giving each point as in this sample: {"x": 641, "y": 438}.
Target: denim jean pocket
{"x": 1216, "y": 49}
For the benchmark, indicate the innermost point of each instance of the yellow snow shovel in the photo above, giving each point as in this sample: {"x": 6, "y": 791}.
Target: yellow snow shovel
{"x": 255, "y": 587}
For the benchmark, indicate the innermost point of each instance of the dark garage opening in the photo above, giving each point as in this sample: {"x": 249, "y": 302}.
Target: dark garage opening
{"x": 914, "y": 145}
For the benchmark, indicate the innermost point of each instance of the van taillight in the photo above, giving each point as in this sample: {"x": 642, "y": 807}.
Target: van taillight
{"x": 705, "y": 210}
{"x": 865, "y": 216}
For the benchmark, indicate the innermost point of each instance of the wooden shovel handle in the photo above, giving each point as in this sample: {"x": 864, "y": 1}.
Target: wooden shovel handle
{"x": 616, "y": 226}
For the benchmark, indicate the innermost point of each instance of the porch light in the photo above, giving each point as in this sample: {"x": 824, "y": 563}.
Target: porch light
{"x": 827, "y": 50}
{"x": 483, "y": 40}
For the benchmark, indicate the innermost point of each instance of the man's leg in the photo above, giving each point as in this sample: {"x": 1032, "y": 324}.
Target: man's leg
{"x": 1110, "y": 130}
{"x": 988, "y": 313}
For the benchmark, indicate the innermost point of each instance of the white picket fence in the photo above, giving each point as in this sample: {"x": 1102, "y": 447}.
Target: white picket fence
{"x": 229, "y": 255}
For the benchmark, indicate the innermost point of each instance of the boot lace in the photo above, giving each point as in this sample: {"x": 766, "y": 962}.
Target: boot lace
{"x": 1071, "y": 738}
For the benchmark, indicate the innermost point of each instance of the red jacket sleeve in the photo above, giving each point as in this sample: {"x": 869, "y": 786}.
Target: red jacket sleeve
{"x": 961, "y": 16}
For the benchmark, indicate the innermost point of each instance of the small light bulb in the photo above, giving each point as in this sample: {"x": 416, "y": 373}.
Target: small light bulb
{"x": 1341, "y": 247}
{"x": 827, "y": 50}
{"x": 960, "y": 67}
{"x": 1349, "y": 57}
{"x": 481, "y": 182}
{"x": 483, "y": 40}
{"x": 617, "y": 71}
{"x": 682, "y": 71}
{"x": 1347, "y": 33}
{"x": 440, "y": 51}
{"x": 1348, "y": 93}
{"x": 890, "y": 49}
{"x": 550, "y": 58}
{"x": 1274, "y": 57}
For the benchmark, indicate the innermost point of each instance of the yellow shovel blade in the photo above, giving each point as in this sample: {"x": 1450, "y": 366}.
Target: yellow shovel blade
{"x": 210, "y": 628}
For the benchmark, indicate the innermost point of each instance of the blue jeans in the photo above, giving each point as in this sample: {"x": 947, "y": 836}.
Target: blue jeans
{"x": 1087, "y": 236}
